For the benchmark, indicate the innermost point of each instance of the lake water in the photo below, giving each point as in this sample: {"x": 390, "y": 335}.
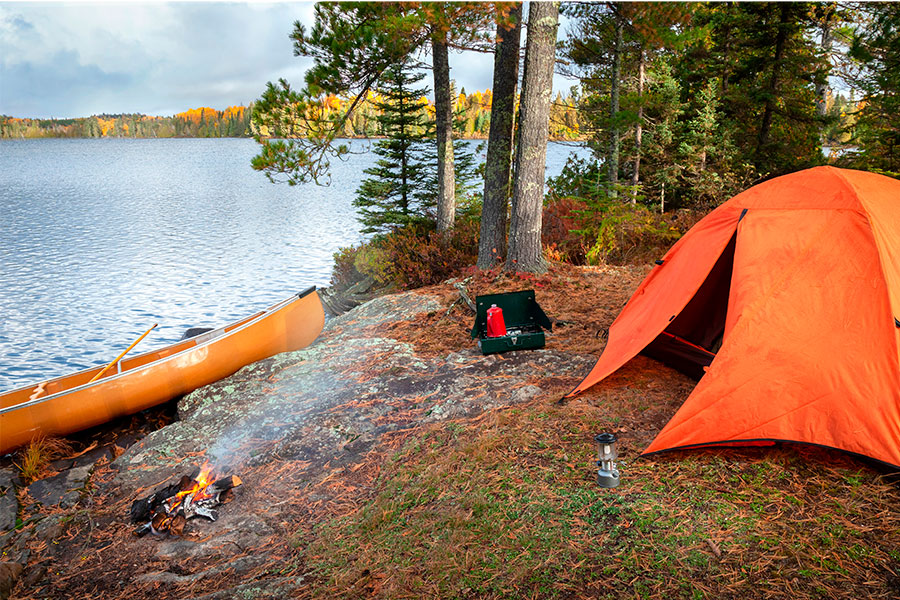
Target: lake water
{"x": 100, "y": 239}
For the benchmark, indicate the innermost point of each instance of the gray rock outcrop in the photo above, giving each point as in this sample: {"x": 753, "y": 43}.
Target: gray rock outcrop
{"x": 313, "y": 411}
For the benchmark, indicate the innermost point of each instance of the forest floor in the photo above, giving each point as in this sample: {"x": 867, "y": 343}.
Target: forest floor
{"x": 504, "y": 504}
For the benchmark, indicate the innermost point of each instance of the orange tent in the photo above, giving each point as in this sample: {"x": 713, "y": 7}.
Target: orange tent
{"x": 785, "y": 303}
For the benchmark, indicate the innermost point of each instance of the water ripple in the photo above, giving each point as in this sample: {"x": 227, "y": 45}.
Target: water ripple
{"x": 100, "y": 239}
{"x": 103, "y": 238}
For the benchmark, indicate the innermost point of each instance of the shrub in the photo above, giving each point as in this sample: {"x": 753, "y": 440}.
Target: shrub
{"x": 582, "y": 231}
{"x": 631, "y": 233}
{"x": 344, "y": 273}
{"x": 418, "y": 256}
{"x": 38, "y": 454}
{"x": 561, "y": 220}
{"x": 410, "y": 257}
{"x": 580, "y": 178}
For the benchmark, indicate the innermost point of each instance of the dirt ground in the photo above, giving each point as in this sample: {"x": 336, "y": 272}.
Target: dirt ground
{"x": 89, "y": 551}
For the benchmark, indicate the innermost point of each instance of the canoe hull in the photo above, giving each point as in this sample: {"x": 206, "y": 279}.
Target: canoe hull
{"x": 71, "y": 404}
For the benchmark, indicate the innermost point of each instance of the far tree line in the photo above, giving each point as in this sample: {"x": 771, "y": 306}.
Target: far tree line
{"x": 234, "y": 121}
{"x": 472, "y": 118}
{"x": 683, "y": 104}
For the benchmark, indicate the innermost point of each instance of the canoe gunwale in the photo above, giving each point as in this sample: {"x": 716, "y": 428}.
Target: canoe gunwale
{"x": 213, "y": 336}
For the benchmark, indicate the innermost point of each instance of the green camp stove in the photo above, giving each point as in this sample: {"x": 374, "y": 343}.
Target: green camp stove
{"x": 523, "y": 317}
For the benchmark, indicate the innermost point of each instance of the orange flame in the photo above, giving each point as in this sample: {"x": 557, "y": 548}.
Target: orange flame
{"x": 202, "y": 482}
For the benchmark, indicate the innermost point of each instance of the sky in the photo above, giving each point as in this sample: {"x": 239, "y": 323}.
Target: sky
{"x": 76, "y": 59}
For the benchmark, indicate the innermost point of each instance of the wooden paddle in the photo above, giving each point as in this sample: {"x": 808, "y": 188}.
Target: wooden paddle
{"x": 119, "y": 357}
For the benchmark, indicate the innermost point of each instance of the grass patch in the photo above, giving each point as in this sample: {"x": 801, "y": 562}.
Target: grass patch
{"x": 38, "y": 454}
{"x": 507, "y": 507}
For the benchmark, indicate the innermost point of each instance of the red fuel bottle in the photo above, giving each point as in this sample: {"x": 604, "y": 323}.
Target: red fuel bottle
{"x": 495, "y": 325}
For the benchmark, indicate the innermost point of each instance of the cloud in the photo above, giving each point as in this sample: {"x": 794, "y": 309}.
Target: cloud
{"x": 64, "y": 73}
{"x": 19, "y": 25}
{"x": 72, "y": 60}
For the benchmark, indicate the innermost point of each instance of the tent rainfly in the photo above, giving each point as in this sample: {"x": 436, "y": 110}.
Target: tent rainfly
{"x": 784, "y": 302}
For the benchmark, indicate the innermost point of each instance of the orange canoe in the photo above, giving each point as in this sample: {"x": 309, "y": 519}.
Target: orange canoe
{"x": 72, "y": 403}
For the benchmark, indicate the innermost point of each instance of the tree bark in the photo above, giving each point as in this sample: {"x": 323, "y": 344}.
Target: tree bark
{"x": 822, "y": 86}
{"x": 827, "y": 44}
{"x": 613, "y": 166}
{"x": 780, "y": 41}
{"x": 492, "y": 237}
{"x": 638, "y": 129}
{"x": 531, "y": 155}
{"x": 725, "y": 52}
{"x": 443, "y": 107}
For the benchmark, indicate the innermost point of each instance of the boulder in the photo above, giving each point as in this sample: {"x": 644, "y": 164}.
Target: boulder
{"x": 299, "y": 420}
{"x": 63, "y": 489}
{"x": 328, "y": 402}
{"x": 9, "y": 575}
{"x": 9, "y": 505}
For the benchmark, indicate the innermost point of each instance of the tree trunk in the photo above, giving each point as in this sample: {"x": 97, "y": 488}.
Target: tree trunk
{"x": 443, "y": 107}
{"x": 638, "y": 130}
{"x": 531, "y": 154}
{"x": 613, "y": 173}
{"x": 725, "y": 58}
{"x": 404, "y": 169}
{"x": 492, "y": 238}
{"x": 780, "y": 41}
{"x": 822, "y": 86}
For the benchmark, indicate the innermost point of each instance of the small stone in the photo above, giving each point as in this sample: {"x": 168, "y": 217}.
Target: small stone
{"x": 60, "y": 465}
{"x": 7, "y": 478}
{"x": 9, "y": 575}
{"x": 91, "y": 458}
{"x": 63, "y": 489}
{"x": 34, "y": 574}
{"x": 9, "y": 504}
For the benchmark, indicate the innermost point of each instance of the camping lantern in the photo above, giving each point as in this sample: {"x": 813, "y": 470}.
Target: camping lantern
{"x": 607, "y": 474}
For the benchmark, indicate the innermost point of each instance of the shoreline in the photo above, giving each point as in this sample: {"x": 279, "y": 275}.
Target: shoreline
{"x": 582, "y": 140}
{"x": 391, "y": 434}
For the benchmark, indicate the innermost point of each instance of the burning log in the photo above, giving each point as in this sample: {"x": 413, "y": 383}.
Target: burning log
{"x": 168, "y": 509}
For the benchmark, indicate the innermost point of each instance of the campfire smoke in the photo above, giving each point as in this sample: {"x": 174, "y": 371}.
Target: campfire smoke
{"x": 167, "y": 510}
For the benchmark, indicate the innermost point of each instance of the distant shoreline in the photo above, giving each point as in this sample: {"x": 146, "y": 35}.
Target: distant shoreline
{"x": 237, "y": 137}
{"x": 235, "y": 122}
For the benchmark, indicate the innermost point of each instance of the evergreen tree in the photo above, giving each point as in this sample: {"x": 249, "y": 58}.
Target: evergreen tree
{"x": 388, "y": 199}
{"x": 877, "y": 48}
{"x": 352, "y": 44}
{"x": 466, "y": 165}
{"x": 707, "y": 152}
{"x": 768, "y": 68}
{"x": 613, "y": 48}
{"x": 665, "y": 109}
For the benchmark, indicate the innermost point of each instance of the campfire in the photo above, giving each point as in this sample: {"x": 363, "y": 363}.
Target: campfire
{"x": 168, "y": 510}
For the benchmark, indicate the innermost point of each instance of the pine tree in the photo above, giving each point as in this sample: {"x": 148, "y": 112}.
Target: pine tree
{"x": 707, "y": 152}
{"x": 524, "y": 252}
{"x": 877, "y": 48}
{"x": 613, "y": 51}
{"x": 767, "y": 67}
{"x": 661, "y": 143}
{"x": 497, "y": 188}
{"x": 352, "y": 44}
{"x": 466, "y": 165}
{"x": 388, "y": 199}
